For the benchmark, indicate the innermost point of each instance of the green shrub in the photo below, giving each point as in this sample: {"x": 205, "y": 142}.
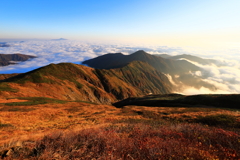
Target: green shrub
{"x": 3, "y": 125}
{"x": 34, "y": 101}
{"x": 16, "y": 109}
{"x": 5, "y": 87}
{"x": 218, "y": 120}
{"x": 78, "y": 85}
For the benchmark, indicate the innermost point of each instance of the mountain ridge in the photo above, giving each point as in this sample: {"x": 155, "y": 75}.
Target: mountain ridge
{"x": 179, "y": 71}
{"x": 162, "y": 64}
{"x": 7, "y": 59}
{"x": 68, "y": 81}
{"x": 199, "y": 60}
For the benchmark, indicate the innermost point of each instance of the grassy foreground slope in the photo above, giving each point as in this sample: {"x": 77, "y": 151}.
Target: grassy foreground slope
{"x": 79, "y": 130}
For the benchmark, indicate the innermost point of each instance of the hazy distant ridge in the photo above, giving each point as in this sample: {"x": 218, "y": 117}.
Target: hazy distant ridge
{"x": 7, "y": 59}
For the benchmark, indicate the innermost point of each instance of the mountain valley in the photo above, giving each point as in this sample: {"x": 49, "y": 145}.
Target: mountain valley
{"x": 180, "y": 72}
{"x": 69, "y": 81}
{"x": 125, "y": 107}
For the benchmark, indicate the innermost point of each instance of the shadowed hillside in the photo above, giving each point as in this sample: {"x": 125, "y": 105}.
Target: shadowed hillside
{"x": 69, "y": 81}
{"x": 109, "y": 61}
{"x": 189, "y": 57}
{"x": 180, "y": 71}
{"x": 6, "y": 76}
{"x": 178, "y": 100}
{"x": 7, "y": 59}
{"x": 141, "y": 76}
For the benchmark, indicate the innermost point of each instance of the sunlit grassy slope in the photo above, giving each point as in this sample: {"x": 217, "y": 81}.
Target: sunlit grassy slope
{"x": 44, "y": 128}
{"x": 68, "y": 81}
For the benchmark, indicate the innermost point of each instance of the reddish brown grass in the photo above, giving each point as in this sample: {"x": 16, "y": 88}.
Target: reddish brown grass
{"x": 78, "y": 130}
{"x": 182, "y": 141}
{"x": 11, "y": 100}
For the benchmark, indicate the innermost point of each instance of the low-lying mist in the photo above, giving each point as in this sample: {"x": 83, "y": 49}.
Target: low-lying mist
{"x": 224, "y": 76}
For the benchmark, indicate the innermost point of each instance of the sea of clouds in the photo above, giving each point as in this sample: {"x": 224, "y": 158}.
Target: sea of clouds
{"x": 225, "y": 75}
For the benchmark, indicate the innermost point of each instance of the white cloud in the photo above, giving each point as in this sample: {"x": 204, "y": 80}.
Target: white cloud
{"x": 196, "y": 73}
{"x": 49, "y": 51}
{"x": 170, "y": 79}
{"x": 225, "y": 78}
{"x": 225, "y": 75}
{"x": 202, "y": 90}
{"x": 52, "y": 51}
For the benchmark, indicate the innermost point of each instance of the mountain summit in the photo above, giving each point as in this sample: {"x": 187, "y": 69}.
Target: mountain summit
{"x": 179, "y": 71}
{"x": 118, "y": 60}
{"x": 140, "y": 53}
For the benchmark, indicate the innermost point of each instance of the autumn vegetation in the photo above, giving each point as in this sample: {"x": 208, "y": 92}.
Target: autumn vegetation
{"x": 123, "y": 108}
{"x": 45, "y": 128}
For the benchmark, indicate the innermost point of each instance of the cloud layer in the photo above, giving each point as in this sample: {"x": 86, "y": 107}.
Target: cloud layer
{"x": 225, "y": 75}
{"x": 57, "y": 51}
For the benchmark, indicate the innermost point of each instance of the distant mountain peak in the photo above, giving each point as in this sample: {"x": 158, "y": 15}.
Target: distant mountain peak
{"x": 141, "y": 55}
{"x": 7, "y": 59}
{"x": 116, "y": 54}
{"x": 140, "y": 52}
{"x": 4, "y": 44}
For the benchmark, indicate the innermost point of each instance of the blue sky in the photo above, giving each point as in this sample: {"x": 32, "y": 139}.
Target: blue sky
{"x": 201, "y": 23}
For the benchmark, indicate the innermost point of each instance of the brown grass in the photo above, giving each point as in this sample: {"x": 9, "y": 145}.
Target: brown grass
{"x": 106, "y": 132}
{"x": 45, "y": 118}
{"x": 11, "y": 100}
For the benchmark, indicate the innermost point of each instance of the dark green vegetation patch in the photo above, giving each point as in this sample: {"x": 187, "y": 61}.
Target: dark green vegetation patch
{"x": 228, "y": 101}
{"x": 223, "y": 120}
{"x": 3, "y": 125}
{"x": 5, "y": 87}
{"x": 34, "y": 101}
